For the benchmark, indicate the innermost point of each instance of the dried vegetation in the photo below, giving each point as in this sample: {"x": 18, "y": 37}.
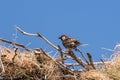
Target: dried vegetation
{"x": 39, "y": 65}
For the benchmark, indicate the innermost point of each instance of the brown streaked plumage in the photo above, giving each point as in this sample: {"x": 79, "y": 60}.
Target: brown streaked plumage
{"x": 69, "y": 43}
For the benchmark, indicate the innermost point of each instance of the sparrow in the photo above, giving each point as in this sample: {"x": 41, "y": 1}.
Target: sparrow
{"x": 70, "y": 43}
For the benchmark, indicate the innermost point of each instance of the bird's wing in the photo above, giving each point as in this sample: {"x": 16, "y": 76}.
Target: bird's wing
{"x": 70, "y": 40}
{"x": 74, "y": 41}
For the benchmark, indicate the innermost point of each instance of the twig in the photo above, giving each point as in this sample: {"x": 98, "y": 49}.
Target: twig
{"x": 13, "y": 43}
{"x": 61, "y": 59}
{"x": 91, "y": 61}
{"x": 62, "y": 66}
{"x": 82, "y": 55}
{"x": 41, "y": 36}
{"x": 15, "y": 54}
{"x": 71, "y": 64}
{"x": 46, "y": 54}
{"x": 61, "y": 54}
{"x": 77, "y": 59}
{"x": 37, "y": 35}
{"x": 103, "y": 63}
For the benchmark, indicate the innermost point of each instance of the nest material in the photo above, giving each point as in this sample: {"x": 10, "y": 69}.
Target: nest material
{"x": 31, "y": 66}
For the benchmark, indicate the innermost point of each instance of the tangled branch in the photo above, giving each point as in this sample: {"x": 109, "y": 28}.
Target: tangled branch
{"x": 51, "y": 44}
{"x": 14, "y": 43}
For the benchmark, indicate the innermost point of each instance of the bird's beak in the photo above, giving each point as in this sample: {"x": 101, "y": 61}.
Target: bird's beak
{"x": 59, "y": 37}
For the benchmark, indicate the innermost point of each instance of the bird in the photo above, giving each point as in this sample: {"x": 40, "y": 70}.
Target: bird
{"x": 70, "y": 43}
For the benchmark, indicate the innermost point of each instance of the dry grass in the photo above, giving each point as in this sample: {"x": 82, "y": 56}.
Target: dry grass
{"x": 28, "y": 66}
{"x": 113, "y": 69}
{"x": 94, "y": 75}
{"x": 109, "y": 71}
{"x": 31, "y": 66}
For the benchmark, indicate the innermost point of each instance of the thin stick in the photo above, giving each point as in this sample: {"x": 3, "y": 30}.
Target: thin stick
{"x": 13, "y": 43}
{"x": 77, "y": 59}
{"x": 37, "y": 35}
{"x": 71, "y": 64}
{"x": 61, "y": 54}
{"x": 15, "y": 54}
{"x": 91, "y": 61}
{"x": 62, "y": 66}
{"x": 82, "y": 55}
{"x": 61, "y": 59}
{"x": 41, "y": 36}
{"x": 103, "y": 63}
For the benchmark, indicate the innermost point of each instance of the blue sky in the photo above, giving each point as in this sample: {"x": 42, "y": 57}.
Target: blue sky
{"x": 96, "y": 22}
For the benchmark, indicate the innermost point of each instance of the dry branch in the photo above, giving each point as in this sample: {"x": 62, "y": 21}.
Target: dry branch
{"x": 14, "y": 43}
{"x": 62, "y": 66}
{"x": 61, "y": 54}
{"x": 51, "y": 44}
{"x": 37, "y": 35}
{"x": 71, "y": 64}
{"x": 103, "y": 62}
{"x": 82, "y": 55}
{"x": 91, "y": 61}
{"x": 61, "y": 59}
{"x": 15, "y": 54}
{"x": 77, "y": 59}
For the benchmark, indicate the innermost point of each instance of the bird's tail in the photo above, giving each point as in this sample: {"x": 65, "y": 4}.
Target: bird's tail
{"x": 82, "y": 44}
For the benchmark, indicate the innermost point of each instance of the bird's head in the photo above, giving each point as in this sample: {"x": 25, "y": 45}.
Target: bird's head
{"x": 63, "y": 37}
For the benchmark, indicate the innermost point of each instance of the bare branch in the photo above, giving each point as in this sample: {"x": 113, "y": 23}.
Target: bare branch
{"x": 15, "y": 54}
{"x": 61, "y": 53}
{"x": 82, "y": 55}
{"x": 95, "y": 63}
{"x": 13, "y": 43}
{"x": 91, "y": 61}
{"x": 25, "y": 33}
{"x": 77, "y": 59}
{"x": 71, "y": 64}
{"x": 51, "y": 44}
{"x": 103, "y": 62}
{"x": 37, "y": 35}
{"x": 62, "y": 66}
{"x": 61, "y": 59}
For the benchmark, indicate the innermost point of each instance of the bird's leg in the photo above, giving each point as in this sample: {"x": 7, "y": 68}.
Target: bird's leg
{"x": 70, "y": 51}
